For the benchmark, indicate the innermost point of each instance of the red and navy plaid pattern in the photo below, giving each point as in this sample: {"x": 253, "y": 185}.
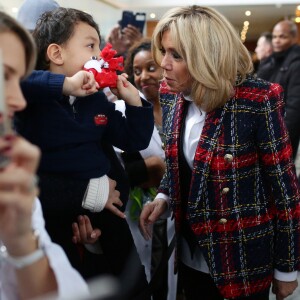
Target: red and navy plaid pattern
{"x": 260, "y": 204}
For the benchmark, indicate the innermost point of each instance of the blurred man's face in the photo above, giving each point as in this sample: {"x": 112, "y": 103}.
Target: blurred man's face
{"x": 263, "y": 48}
{"x": 282, "y": 37}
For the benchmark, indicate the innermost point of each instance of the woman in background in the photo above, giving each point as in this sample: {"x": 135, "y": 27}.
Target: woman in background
{"x": 145, "y": 170}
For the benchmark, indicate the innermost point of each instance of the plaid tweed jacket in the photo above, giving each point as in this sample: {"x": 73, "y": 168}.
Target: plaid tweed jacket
{"x": 243, "y": 203}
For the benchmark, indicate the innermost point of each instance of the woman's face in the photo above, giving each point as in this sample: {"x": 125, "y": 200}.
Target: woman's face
{"x": 13, "y": 57}
{"x": 146, "y": 74}
{"x": 175, "y": 71}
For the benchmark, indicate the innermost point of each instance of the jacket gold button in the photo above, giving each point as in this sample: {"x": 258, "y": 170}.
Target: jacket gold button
{"x": 225, "y": 190}
{"x": 228, "y": 158}
{"x": 222, "y": 221}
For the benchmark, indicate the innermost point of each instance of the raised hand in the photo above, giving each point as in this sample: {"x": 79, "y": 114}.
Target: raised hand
{"x": 17, "y": 193}
{"x": 81, "y": 84}
{"x": 121, "y": 40}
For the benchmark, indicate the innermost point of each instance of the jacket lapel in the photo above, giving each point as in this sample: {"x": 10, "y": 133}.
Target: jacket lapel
{"x": 204, "y": 153}
{"x": 173, "y": 144}
{"x": 173, "y": 123}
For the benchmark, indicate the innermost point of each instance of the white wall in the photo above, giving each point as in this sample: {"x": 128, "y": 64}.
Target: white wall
{"x": 106, "y": 16}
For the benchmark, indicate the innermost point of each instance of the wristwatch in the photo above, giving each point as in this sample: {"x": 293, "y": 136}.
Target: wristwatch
{"x": 20, "y": 262}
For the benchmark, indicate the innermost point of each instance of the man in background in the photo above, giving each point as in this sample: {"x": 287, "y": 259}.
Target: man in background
{"x": 283, "y": 67}
{"x": 264, "y": 48}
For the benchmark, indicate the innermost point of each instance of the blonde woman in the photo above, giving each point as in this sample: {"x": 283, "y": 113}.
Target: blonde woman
{"x": 230, "y": 179}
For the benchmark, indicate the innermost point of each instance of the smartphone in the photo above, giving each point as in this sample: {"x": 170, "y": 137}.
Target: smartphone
{"x": 5, "y": 122}
{"x": 138, "y": 19}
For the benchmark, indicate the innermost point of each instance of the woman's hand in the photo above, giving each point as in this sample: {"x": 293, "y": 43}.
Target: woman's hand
{"x": 150, "y": 213}
{"x": 17, "y": 193}
{"x": 283, "y": 289}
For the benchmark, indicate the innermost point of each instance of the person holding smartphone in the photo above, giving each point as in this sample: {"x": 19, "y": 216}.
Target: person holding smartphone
{"x": 128, "y": 31}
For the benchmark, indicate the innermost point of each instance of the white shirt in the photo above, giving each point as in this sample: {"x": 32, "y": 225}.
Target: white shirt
{"x": 70, "y": 283}
{"x": 193, "y": 128}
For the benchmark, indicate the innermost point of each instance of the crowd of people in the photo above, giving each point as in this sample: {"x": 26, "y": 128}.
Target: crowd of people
{"x": 179, "y": 182}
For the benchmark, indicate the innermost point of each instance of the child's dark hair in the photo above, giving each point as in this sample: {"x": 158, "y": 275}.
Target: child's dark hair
{"x": 141, "y": 45}
{"x": 57, "y": 26}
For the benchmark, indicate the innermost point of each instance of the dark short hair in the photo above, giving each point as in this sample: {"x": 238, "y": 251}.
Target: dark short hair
{"x": 268, "y": 36}
{"x": 141, "y": 45}
{"x": 57, "y": 26}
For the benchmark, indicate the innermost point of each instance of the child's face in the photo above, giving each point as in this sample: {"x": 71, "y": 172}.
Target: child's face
{"x": 13, "y": 56}
{"x": 83, "y": 44}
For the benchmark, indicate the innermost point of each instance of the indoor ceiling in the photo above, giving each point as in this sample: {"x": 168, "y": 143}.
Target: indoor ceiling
{"x": 264, "y": 14}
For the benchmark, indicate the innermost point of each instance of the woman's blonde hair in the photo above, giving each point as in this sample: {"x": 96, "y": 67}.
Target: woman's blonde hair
{"x": 214, "y": 53}
{"x": 9, "y": 24}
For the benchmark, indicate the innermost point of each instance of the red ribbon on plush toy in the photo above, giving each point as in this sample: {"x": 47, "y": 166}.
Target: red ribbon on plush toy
{"x": 105, "y": 68}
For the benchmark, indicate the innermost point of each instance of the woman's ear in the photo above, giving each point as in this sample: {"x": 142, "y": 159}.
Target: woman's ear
{"x": 54, "y": 54}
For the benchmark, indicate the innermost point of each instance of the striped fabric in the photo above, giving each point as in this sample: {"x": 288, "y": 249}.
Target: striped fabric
{"x": 243, "y": 205}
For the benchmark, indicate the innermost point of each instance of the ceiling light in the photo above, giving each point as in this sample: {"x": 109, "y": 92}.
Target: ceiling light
{"x": 248, "y": 13}
{"x": 246, "y": 23}
{"x": 152, "y": 15}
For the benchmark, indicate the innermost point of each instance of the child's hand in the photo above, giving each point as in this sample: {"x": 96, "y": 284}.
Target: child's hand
{"x": 81, "y": 84}
{"x": 114, "y": 199}
{"x": 83, "y": 231}
{"x": 126, "y": 91}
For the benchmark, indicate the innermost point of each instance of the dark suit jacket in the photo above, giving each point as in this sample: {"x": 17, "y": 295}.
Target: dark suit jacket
{"x": 284, "y": 68}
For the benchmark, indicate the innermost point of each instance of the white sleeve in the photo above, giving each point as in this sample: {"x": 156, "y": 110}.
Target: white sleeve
{"x": 155, "y": 146}
{"x": 166, "y": 198}
{"x": 285, "y": 276}
{"x": 69, "y": 281}
{"x": 121, "y": 106}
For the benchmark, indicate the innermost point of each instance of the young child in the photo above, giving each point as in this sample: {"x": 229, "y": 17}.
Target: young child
{"x": 70, "y": 131}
